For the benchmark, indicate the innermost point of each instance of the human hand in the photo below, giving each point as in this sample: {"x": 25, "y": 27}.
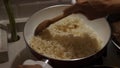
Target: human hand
{"x": 84, "y": 7}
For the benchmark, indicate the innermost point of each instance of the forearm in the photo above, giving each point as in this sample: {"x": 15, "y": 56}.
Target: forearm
{"x": 108, "y": 6}
{"x": 94, "y": 8}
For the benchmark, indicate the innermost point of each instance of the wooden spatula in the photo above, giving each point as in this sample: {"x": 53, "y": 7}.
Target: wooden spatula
{"x": 46, "y": 23}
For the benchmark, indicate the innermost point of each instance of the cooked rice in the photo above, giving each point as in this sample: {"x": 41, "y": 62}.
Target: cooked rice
{"x": 68, "y": 38}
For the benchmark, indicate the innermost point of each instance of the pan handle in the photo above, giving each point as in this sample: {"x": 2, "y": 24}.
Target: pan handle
{"x": 43, "y": 63}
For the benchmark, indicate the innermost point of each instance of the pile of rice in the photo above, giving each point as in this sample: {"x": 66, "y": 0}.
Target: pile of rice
{"x": 68, "y": 38}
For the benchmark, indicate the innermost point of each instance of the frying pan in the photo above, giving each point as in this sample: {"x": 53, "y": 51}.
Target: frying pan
{"x": 101, "y": 26}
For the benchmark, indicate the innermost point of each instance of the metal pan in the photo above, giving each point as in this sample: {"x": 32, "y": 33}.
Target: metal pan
{"x": 101, "y": 26}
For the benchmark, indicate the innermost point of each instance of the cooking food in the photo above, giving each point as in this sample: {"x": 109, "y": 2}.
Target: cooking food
{"x": 116, "y": 32}
{"x": 69, "y": 38}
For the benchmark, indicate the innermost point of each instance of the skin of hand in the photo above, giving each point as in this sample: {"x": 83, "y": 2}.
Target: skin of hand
{"x": 93, "y": 9}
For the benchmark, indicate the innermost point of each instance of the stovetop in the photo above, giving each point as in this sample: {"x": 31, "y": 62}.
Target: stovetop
{"x": 18, "y": 53}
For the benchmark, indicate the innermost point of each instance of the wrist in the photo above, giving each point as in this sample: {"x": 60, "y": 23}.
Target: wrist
{"x": 102, "y": 6}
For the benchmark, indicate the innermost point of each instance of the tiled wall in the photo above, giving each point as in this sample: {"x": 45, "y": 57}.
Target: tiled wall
{"x": 25, "y": 8}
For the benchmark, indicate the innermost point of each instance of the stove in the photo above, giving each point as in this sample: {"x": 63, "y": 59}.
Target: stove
{"x": 18, "y": 53}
